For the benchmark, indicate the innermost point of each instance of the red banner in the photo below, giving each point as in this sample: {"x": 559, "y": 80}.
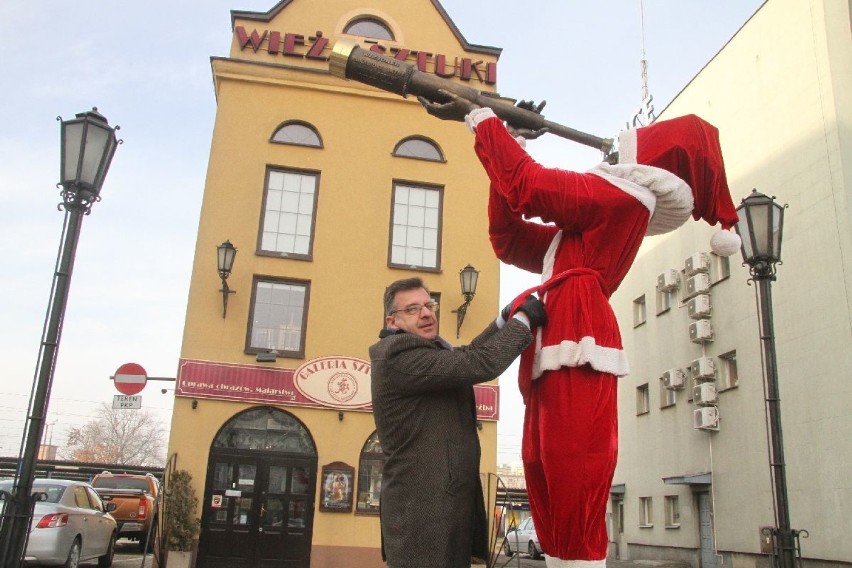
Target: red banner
{"x": 271, "y": 385}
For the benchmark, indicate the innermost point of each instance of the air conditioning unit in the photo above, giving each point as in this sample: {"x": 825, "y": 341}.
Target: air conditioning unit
{"x": 704, "y": 394}
{"x": 668, "y": 280}
{"x": 698, "y": 284}
{"x": 706, "y": 418}
{"x": 697, "y": 263}
{"x": 674, "y": 379}
{"x": 700, "y": 307}
{"x": 703, "y": 369}
{"x": 701, "y": 331}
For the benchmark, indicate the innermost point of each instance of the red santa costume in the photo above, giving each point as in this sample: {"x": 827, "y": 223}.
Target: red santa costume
{"x": 596, "y": 222}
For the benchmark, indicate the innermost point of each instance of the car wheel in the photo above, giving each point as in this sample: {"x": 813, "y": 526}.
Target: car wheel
{"x": 507, "y": 548}
{"x": 73, "y": 559}
{"x": 105, "y": 561}
{"x": 533, "y": 551}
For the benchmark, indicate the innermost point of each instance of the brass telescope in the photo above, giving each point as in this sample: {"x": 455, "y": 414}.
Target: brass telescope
{"x": 350, "y": 61}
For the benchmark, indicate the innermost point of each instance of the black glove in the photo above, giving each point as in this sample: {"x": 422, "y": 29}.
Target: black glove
{"x": 505, "y": 312}
{"x": 534, "y": 309}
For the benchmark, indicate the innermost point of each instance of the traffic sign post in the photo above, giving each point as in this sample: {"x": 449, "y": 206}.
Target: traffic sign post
{"x": 130, "y": 379}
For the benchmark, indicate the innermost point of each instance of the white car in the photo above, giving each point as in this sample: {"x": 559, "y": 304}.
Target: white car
{"x": 70, "y": 525}
{"x": 523, "y": 539}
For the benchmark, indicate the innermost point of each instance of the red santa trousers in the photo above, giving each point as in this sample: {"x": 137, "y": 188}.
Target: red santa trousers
{"x": 570, "y": 447}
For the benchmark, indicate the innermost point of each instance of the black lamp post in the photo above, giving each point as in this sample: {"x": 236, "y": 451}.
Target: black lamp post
{"x": 88, "y": 145}
{"x": 760, "y": 227}
{"x": 469, "y": 276}
{"x": 225, "y": 253}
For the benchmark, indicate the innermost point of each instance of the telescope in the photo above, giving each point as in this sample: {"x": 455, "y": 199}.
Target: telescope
{"x": 349, "y": 60}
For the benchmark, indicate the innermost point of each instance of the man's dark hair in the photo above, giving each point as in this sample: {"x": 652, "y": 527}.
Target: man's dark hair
{"x": 401, "y": 286}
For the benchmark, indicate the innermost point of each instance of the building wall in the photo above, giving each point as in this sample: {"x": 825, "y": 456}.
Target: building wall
{"x": 256, "y": 91}
{"x": 779, "y": 92}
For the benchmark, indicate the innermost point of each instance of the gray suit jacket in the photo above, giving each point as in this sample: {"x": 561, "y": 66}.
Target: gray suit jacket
{"x": 432, "y": 508}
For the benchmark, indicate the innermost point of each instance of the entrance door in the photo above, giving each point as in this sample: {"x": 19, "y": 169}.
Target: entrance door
{"x": 258, "y": 512}
{"x": 617, "y": 536}
{"x": 705, "y": 518}
{"x": 258, "y": 508}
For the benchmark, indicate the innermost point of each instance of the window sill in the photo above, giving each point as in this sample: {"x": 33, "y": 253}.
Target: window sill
{"x": 646, "y": 526}
{"x": 677, "y": 526}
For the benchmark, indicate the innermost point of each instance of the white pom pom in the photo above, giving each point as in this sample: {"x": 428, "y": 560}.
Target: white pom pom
{"x": 725, "y": 243}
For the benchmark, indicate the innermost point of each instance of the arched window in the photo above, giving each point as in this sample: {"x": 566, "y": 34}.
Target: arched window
{"x": 297, "y": 133}
{"x": 370, "y": 467}
{"x": 368, "y": 27}
{"x": 419, "y": 148}
{"x": 265, "y": 428}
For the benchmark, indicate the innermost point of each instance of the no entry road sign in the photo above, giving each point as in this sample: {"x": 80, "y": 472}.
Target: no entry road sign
{"x": 130, "y": 379}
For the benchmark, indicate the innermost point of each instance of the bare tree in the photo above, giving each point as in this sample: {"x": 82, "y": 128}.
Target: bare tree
{"x": 128, "y": 437}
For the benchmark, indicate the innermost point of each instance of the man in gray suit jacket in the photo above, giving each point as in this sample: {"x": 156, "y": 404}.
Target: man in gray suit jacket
{"x": 432, "y": 507}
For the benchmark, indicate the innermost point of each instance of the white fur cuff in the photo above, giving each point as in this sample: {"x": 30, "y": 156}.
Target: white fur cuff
{"x": 476, "y": 116}
{"x": 552, "y": 562}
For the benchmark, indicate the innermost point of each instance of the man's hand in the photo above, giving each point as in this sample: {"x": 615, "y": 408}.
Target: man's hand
{"x": 534, "y": 310}
{"x": 455, "y": 109}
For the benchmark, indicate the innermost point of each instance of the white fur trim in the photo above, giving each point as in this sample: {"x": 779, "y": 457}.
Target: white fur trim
{"x": 553, "y": 562}
{"x": 476, "y": 116}
{"x": 550, "y": 257}
{"x": 571, "y": 353}
{"x": 522, "y": 141}
{"x": 574, "y": 354}
{"x": 667, "y": 197}
{"x": 725, "y": 243}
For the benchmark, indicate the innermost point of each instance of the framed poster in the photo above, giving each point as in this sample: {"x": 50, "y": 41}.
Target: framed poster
{"x": 337, "y": 479}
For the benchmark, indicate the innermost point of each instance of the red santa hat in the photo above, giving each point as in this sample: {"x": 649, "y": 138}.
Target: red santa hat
{"x": 688, "y": 147}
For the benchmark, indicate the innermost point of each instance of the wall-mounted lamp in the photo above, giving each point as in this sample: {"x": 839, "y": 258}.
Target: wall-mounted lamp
{"x": 194, "y": 404}
{"x": 225, "y": 255}
{"x": 468, "y": 276}
{"x": 340, "y": 415}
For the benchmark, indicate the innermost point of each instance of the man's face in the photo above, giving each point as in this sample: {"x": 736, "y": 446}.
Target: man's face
{"x": 423, "y": 323}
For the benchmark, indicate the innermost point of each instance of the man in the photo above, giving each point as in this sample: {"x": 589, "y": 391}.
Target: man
{"x": 595, "y": 223}
{"x": 432, "y": 508}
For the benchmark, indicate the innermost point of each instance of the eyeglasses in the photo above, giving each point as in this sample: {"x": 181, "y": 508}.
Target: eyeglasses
{"x": 414, "y": 309}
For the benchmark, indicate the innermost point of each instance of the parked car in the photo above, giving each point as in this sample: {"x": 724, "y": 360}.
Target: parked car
{"x": 70, "y": 524}
{"x": 136, "y": 500}
{"x": 523, "y": 539}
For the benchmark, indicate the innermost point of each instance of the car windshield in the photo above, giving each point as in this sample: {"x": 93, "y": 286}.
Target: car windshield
{"x": 54, "y": 492}
{"x": 121, "y": 483}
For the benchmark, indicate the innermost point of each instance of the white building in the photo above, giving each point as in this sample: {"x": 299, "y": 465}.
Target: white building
{"x": 780, "y": 93}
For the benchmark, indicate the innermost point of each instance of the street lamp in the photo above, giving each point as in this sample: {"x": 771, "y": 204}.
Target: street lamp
{"x": 760, "y": 227}
{"x": 469, "y": 276}
{"x": 225, "y": 255}
{"x": 88, "y": 145}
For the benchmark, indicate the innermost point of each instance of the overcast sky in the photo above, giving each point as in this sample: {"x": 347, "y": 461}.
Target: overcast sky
{"x": 146, "y": 66}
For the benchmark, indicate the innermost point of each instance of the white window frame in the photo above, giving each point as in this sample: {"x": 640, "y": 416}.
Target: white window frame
{"x": 415, "y": 226}
{"x": 646, "y": 512}
{"x": 289, "y": 213}
{"x": 668, "y": 397}
{"x": 640, "y": 311}
{"x": 672, "y": 512}
{"x": 643, "y": 400}
{"x": 728, "y": 375}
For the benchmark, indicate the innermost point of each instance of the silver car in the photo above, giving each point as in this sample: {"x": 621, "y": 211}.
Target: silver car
{"x": 70, "y": 524}
{"x": 523, "y": 539}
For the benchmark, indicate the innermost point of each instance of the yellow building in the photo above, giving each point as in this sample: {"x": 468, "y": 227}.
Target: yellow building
{"x": 329, "y": 190}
